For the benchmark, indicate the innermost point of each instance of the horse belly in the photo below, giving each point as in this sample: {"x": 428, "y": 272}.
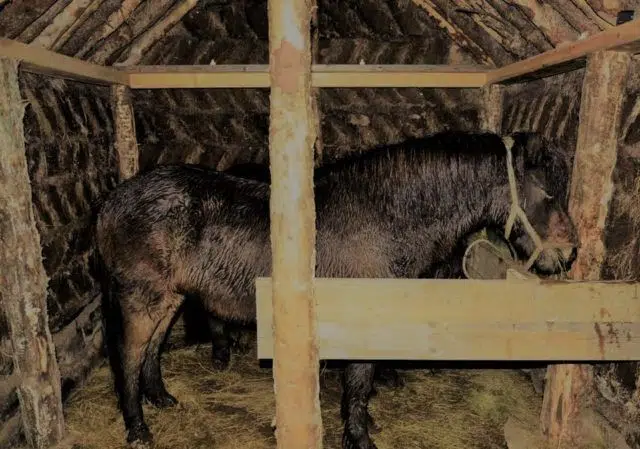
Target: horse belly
{"x": 223, "y": 277}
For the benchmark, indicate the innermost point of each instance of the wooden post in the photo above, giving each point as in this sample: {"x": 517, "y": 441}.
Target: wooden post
{"x": 315, "y": 97}
{"x": 23, "y": 280}
{"x": 125, "y": 129}
{"x": 569, "y": 386}
{"x": 491, "y": 112}
{"x": 291, "y": 141}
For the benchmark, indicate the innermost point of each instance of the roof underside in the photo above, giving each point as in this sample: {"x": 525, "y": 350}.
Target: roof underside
{"x": 493, "y": 32}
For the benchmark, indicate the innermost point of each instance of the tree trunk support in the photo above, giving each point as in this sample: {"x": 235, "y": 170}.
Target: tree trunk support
{"x": 125, "y": 130}
{"x": 569, "y": 388}
{"x": 292, "y": 136}
{"x": 23, "y": 280}
{"x": 492, "y": 107}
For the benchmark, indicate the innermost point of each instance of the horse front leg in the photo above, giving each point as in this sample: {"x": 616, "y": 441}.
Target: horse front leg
{"x": 357, "y": 386}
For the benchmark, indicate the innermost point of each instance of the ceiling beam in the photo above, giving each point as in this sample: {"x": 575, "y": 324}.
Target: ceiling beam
{"x": 625, "y": 37}
{"x": 39, "y": 60}
{"x": 338, "y": 75}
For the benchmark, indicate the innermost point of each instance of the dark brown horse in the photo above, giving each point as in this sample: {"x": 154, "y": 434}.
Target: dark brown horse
{"x": 393, "y": 212}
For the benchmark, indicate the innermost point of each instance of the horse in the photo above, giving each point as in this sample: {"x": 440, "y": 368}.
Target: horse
{"x": 392, "y": 212}
{"x": 224, "y": 336}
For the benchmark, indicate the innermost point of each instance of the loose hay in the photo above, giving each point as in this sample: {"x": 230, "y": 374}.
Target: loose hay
{"x": 445, "y": 409}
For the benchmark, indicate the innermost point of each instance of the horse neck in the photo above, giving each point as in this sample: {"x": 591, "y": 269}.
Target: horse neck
{"x": 466, "y": 189}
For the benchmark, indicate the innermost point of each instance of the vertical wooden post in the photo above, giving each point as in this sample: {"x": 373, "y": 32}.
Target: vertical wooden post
{"x": 492, "y": 105}
{"x": 315, "y": 97}
{"x": 293, "y": 234}
{"x": 125, "y": 129}
{"x": 23, "y": 280}
{"x": 569, "y": 386}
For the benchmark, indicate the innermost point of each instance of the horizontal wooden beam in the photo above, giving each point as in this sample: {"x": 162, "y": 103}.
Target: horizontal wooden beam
{"x": 625, "y": 37}
{"x": 339, "y": 75}
{"x": 441, "y": 319}
{"x": 40, "y": 60}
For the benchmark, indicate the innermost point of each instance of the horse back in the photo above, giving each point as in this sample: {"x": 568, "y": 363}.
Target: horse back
{"x": 170, "y": 217}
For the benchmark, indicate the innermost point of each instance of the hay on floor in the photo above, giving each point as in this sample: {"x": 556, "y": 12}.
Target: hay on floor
{"x": 445, "y": 409}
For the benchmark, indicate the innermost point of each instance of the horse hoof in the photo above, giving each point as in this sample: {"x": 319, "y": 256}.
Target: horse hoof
{"x": 220, "y": 365}
{"x": 139, "y": 437}
{"x": 221, "y": 358}
{"x": 164, "y": 400}
{"x": 365, "y": 442}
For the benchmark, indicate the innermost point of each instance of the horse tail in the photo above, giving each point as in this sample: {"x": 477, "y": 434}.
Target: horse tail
{"x": 112, "y": 326}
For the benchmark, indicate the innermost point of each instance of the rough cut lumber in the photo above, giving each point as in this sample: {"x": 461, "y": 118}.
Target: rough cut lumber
{"x": 125, "y": 131}
{"x": 23, "y": 280}
{"x": 39, "y": 60}
{"x": 136, "y": 23}
{"x": 338, "y": 75}
{"x": 114, "y": 21}
{"x": 143, "y": 42}
{"x": 625, "y": 37}
{"x": 439, "y": 319}
{"x": 456, "y": 33}
{"x": 293, "y": 234}
{"x": 592, "y": 186}
{"x": 60, "y": 28}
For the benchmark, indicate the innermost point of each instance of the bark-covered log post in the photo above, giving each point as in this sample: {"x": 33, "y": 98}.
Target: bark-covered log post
{"x": 23, "y": 280}
{"x": 492, "y": 105}
{"x": 569, "y": 387}
{"x": 315, "y": 97}
{"x": 125, "y": 131}
{"x": 292, "y": 134}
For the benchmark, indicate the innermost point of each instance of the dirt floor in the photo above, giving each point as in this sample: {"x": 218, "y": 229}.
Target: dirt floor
{"x": 453, "y": 409}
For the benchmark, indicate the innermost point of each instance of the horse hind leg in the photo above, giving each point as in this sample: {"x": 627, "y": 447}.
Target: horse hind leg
{"x": 220, "y": 343}
{"x": 143, "y": 314}
{"x": 153, "y": 386}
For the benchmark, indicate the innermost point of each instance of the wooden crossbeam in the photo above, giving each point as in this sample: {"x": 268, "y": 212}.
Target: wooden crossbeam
{"x": 625, "y": 37}
{"x": 322, "y": 75}
{"x": 429, "y": 319}
{"x": 40, "y": 60}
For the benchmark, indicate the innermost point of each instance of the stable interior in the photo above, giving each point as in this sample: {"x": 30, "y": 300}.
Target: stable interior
{"x": 72, "y": 159}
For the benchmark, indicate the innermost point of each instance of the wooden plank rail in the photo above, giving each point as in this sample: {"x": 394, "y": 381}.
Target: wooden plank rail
{"x": 322, "y": 75}
{"x": 426, "y": 319}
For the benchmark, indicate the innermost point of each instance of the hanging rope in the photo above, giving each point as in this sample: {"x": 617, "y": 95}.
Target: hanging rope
{"x": 517, "y": 211}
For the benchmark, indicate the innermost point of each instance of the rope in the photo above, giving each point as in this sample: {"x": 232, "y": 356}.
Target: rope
{"x": 517, "y": 211}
